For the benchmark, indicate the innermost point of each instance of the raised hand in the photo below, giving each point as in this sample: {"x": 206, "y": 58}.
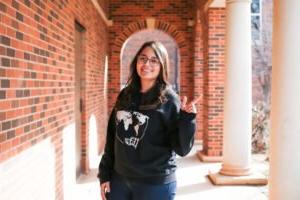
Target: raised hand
{"x": 189, "y": 107}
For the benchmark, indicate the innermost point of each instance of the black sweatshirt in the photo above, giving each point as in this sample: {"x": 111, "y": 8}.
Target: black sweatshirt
{"x": 142, "y": 142}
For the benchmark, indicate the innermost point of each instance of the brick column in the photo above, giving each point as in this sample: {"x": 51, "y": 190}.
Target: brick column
{"x": 198, "y": 71}
{"x": 285, "y": 108}
{"x": 238, "y": 98}
{"x": 212, "y": 82}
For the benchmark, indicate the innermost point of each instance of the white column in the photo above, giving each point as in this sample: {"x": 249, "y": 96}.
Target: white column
{"x": 285, "y": 100}
{"x": 238, "y": 96}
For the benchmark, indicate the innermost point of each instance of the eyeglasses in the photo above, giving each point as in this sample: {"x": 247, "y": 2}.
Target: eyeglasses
{"x": 152, "y": 61}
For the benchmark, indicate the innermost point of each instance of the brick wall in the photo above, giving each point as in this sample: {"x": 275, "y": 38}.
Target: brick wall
{"x": 214, "y": 72}
{"x": 104, "y": 5}
{"x": 37, "y": 76}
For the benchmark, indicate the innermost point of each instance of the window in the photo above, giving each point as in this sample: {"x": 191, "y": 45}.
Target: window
{"x": 256, "y": 20}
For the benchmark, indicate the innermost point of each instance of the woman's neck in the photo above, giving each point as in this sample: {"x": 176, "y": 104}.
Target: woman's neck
{"x": 147, "y": 85}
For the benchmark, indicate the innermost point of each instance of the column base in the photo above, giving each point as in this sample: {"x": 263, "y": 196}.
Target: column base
{"x": 204, "y": 158}
{"x": 252, "y": 179}
{"x": 230, "y": 170}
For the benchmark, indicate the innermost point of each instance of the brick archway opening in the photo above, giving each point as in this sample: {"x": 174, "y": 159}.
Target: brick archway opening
{"x": 134, "y": 42}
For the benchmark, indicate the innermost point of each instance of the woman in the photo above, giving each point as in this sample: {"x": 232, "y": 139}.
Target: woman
{"x": 146, "y": 129}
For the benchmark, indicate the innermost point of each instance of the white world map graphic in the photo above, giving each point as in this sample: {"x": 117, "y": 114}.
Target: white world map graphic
{"x": 127, "y": 119}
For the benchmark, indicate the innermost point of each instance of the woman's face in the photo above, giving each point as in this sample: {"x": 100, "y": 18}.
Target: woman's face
{"x": 148, "y": 65}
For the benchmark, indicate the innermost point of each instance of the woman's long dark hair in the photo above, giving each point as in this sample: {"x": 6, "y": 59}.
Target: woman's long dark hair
{"x": 133, "y": 85}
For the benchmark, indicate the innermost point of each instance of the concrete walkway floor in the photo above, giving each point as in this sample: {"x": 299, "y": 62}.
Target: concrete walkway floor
{"x": 193, "y": 183}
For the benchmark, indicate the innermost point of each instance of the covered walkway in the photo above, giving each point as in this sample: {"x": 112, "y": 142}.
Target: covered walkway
{"x": 60, "y": 73}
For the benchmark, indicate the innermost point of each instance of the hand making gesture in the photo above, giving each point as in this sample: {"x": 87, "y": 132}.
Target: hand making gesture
{"x": 191, "y": 106}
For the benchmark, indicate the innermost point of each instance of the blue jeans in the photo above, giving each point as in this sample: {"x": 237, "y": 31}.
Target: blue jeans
{"x": 123, "y": 189}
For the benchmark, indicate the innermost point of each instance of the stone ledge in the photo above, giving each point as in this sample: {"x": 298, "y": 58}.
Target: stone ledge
{"x": 204, "y": 158}
{"x": 252, "y": 179}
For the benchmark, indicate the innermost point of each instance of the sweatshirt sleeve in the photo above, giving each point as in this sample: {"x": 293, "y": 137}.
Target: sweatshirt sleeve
{"x": 107, "y": 160}
{"x": 181, "y": 127}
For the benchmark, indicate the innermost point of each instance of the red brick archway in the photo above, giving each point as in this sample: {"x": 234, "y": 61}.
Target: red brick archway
{"x": 114, "y": 72}
{"x": 134, "y": 42}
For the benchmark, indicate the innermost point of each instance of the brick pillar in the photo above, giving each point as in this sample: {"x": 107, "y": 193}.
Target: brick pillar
{"x": 213, "y": 84}
{"x": 198, "y": 71}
